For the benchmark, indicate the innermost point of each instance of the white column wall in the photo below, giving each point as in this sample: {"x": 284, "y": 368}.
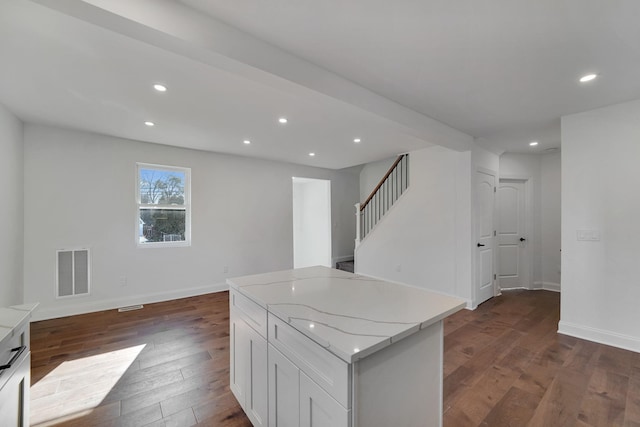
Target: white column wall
{"x": 11, "y": 214}
{"x": 600, "y": 176}
{"x": 424, "y": 239}
{"x": 550, "y": 197}
{"x": 80, "y": 192}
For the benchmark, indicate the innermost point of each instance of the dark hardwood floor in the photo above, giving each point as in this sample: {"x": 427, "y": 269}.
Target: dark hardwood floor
{"x": 505, "y": 365}
{"x": 168, "y": 365}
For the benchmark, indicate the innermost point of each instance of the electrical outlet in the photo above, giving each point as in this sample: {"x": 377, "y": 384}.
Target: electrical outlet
{"x": 398, "y": 268}
{"x": 225, "y": 269}
{"x": 123, "y": 281}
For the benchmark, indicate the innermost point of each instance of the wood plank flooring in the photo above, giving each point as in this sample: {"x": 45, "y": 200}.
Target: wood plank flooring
{"x": 505, "y": 365}
{"x": 168, "y": 365}
{"x": 164, "y": 365}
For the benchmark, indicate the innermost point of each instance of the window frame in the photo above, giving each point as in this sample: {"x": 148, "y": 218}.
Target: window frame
{"x": 186, "y": 206}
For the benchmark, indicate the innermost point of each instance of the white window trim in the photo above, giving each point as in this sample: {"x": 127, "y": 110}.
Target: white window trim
{"x": 187, "y": 206}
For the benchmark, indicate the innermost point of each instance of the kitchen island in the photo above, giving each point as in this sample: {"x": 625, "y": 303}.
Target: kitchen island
{"x": 323, "y": 347}
{"x": 15, "y": 364}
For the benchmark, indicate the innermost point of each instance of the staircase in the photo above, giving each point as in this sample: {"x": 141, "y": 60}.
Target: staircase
{"x": 345, "y": 266}
{"x": 392, "y": 185}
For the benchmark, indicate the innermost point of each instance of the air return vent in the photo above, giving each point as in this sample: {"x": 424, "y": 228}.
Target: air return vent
{"x": 73, "y": 272}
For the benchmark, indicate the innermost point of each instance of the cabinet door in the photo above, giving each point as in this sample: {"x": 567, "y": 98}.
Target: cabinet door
{"x": 256, "y": 402}
{"x": 284, "y": 391}
{"x": 317, "y": 408}
{"x": 238, "y": 355}
{"x": 14, "y": 397}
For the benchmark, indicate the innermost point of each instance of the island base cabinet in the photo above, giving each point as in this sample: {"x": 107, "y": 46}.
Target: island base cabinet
{"x": 401, "y": 385}
{"x": 317, "y": 408}
{"x": 237, "y": 366}
{"x": 248, "y": 370}
{"x": 295, "y": 400}
{"x": 284, "y": 391}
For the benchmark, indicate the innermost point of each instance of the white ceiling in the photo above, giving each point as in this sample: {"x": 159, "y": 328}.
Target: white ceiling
{"x": 500, "y": 72}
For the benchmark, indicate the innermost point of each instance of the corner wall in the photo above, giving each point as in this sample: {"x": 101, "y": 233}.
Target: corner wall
{"x": 11, "y": 214}
{"x": 80, "y": 192}
{"x": 600, "y": 176}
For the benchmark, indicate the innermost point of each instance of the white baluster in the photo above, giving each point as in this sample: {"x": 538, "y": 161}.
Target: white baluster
{"x": 357, "y": 205}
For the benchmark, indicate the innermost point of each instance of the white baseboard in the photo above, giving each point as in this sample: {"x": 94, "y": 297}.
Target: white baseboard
{"x": 600, "y": 336}
{"x": 547, "y": 286}
{"x": 45, "y": 313}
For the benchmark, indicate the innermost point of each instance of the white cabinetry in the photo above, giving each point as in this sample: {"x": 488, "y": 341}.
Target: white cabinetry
{"x": 273, "y": 382}
{"x": 323, "y": 348}
{"x": 248, "y": 367}
{"x": 317, "y": 408}
{"x": 14, "y": 395}
{"x": 284, "y": 391}
{"x": 15, "y": 365}
{"x": 296, "y": 400}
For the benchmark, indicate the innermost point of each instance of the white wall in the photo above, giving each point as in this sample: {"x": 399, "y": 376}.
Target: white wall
{"x": 424, "y": 239}
{"x": 543, "y": 174}
{"x": 11, "y": 213}
{"x": 80, "y": 191}
{"x": 600, "y": 176}
{"x": 551, "y": 185}
{"x": 311, "y": 222}
{"x": 371, "y": 174}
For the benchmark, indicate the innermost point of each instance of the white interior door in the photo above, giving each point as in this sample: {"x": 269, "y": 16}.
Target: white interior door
{"x": 513, "y": 268}
{"x": 485, "y": 231}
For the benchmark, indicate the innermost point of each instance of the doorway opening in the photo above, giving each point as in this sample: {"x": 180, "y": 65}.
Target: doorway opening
{"x": 311, "y": 222}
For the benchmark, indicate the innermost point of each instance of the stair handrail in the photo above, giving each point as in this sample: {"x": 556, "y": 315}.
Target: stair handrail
{"x": 367, "y": 216}
{"x": 384, "y": 178}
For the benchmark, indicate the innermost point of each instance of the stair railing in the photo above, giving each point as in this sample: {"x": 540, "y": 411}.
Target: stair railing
{"x": 383, "y": 196}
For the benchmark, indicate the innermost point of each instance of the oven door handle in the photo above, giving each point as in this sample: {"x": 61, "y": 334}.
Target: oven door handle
{"x": 18, "y": 351}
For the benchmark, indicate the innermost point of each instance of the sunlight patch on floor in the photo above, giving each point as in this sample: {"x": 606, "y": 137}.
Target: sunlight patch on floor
{"x": 76, "y": 387}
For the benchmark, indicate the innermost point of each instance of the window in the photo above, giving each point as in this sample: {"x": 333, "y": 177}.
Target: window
{"x": 164, "y": 206}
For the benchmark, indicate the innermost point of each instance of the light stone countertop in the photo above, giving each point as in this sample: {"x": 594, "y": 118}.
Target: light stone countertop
{"x": 11, "y": 317}
{"x": 350, "y": 315}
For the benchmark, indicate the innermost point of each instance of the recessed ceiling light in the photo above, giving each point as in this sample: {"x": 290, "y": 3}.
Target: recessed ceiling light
{"x": 283, "y": 120}
{"x": 533, "y": 143}
{"x": 588, "y": 78}
{"x": 312, "y": 154}
{"x": 149, "y": 124}
{"x": 159, "y": 87}
{"x": 357, "y": 140}
{"x": 246, "y": 141}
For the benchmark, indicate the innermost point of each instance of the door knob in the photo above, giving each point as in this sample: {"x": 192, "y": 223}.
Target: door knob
{"x": 522, "y": 239}
{"x": 480, "y": 244}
